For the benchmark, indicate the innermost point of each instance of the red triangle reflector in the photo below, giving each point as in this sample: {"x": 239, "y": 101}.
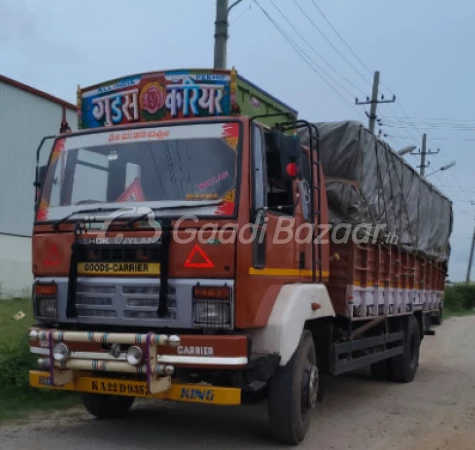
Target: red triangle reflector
{"x": 206, "y": 262}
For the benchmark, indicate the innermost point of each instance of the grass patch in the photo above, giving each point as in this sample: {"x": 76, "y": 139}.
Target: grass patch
{"x": 459, "y": 300}
{"x": 457, "y": 313}
{"x": 16, "y": 396}
{"x": 19, "y": 403}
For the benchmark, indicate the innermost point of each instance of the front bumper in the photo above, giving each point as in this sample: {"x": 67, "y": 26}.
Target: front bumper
{"x": 193, "y": 393}
{"x": 90, "y": 352}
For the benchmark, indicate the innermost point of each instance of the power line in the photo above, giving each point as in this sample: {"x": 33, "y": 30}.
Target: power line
{"x": 404, "y": 112}
{"x": 444, "y": 119}
{"x": 330, "y": 42}
{"x": 401, "y": 122}
{"x": 302, "y": 54}
{"x": 341, "y": 38}
{"x": 352, "y": 52}
{"x": 396, "y": 124}
{"x": 453, "y": 139}
{"x": 358, "y": 58}
{"x": 411, "y": 137}
{"x": 318, "y": 54}
{"x": 242, "y": 14}
{"x": 467, "y": 124}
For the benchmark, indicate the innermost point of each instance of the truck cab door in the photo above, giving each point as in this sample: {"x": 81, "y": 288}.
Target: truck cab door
{"x": 275, "y": 257}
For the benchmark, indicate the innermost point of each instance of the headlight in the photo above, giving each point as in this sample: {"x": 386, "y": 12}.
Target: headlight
{"x": 212, "y": 314}
{"x": 134, "y": 356}
{"x": 60, "y": 352}
{"x": 46, "y": 308}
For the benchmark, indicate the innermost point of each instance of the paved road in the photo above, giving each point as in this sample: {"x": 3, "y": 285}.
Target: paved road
{"x": 435, "y": 412}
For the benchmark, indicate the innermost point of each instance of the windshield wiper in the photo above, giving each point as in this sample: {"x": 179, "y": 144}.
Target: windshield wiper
{"x": 81, "y": 211}
{"x": 135, "y": 219}
{"x": 143, "y": 216}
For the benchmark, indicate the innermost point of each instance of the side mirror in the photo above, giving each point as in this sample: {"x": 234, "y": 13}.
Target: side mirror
{"x": 40, "y": 178}
{"x": 289, "y": 150}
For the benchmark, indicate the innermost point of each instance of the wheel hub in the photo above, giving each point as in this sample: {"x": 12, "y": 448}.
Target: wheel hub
{"x": 310, "y": 387}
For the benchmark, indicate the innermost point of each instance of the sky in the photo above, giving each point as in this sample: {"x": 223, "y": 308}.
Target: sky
{"x": 423, "y": 50}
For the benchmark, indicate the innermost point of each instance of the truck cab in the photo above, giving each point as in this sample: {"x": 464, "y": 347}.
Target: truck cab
{"x": 154, "y": 250}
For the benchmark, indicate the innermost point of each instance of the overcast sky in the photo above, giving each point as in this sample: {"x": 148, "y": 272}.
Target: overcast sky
{"x": 423, "y": 48}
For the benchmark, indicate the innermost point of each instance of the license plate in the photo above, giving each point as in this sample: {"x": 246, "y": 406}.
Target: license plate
{"x": 194, "y": 393}
{"x": 135, "y": 389}
{"x": 116, "y": 268}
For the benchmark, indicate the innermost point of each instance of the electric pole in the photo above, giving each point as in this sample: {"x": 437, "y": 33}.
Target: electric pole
{"x": 469, "y": 270}
{"x": 221, "y": 32}
{"x": 423, "y": 153}
{"x": 374, "y": 101}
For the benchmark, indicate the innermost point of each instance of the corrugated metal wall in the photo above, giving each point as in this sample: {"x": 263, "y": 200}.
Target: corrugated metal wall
{"x": 25, "y": 119}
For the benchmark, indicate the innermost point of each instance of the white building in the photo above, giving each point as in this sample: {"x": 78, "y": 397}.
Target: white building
{"x": 26, "y": 116}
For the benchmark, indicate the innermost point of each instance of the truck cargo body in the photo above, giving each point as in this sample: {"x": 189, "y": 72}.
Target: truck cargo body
{"x": 371, "y": 280}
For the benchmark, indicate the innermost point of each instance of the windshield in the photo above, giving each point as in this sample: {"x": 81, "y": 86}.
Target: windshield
{"x": 195, "y": 165}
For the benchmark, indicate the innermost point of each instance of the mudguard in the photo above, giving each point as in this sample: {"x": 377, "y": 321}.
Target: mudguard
{"x": 294, "y": 305}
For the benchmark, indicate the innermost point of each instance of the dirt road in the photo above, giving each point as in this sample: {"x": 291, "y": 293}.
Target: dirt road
{"x": 435, "y": 412}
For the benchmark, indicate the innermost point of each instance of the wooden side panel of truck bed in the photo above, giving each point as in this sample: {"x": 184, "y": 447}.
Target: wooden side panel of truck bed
{"x": 377, "y": 279}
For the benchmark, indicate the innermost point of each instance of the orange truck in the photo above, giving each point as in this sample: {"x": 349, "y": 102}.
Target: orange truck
{"x": 196, "y": 241}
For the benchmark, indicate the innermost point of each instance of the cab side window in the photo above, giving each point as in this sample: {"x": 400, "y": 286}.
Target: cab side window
{"x": 279, "y": 191}
{"x": 258, "y": 177}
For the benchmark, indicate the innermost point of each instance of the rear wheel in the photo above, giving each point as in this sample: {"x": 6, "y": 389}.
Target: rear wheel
{"x": 404, "y": 367}
{"x": 293, "y": 392}
{"x": 437, "y": 320}
{"x": 106, "y": 406}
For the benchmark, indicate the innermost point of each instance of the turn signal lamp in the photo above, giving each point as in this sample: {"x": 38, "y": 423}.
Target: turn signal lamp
{"x": 211, "y": 293}
{"x": 45, "y": 290}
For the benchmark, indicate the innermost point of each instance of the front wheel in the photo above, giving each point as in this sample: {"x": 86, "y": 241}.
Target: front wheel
{"x": 106, "y": 406}
{"x": 293, "y": 392}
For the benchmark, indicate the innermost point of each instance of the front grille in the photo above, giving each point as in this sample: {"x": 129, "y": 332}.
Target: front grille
{"x": 87, "y": 288}
{"x": 106, "y": 314}
{"x": 93, "y": 301}
{"x": 148, "y": 315}
{"x": 141, "y": 289}
{"x": 128, "y": 302}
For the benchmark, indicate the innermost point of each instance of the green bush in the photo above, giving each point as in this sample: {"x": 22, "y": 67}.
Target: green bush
{"x": 16, "y": 395}
{"x": 460, "y": 297}
{"x": 15, "y": 361}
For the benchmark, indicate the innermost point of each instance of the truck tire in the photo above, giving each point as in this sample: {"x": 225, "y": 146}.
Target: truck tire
{"x": 106, "y": 406}
{"x": 404, "y": 367}
{"x": 381, "y": 370}
{"x": 293, "y": 392}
